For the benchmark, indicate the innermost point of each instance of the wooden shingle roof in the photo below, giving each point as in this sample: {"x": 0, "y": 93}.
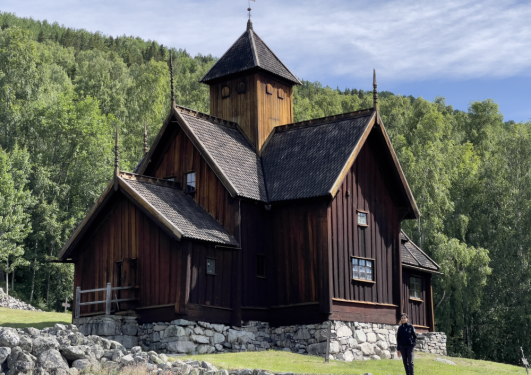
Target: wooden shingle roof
{"x": 305, "y": 160}
{"x": 414, "y": 257}
{"x": 247, "y": 53}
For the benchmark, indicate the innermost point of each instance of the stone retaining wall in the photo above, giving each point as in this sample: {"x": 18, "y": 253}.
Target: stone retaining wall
{"x": 355, "y": 341}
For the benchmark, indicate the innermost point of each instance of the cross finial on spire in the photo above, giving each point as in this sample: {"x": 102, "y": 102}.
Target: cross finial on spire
{"x": 375, "y": 90}
{"x": 171, "y": 77}
{"x": 145, "y": 139}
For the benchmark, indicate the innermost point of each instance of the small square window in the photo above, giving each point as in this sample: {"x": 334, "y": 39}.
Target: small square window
{"x": 260, "y": 265}
{"x": 362, "y": 269}
{"x": 172, "y": 179}
{"x": 415, "y": 287}
{"x": 362, "y": 218}
{"x": 211, "y": 266}
{"x": 190, "y": 182}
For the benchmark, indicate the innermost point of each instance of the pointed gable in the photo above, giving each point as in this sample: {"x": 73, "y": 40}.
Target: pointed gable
{"x": 249, "y": 52}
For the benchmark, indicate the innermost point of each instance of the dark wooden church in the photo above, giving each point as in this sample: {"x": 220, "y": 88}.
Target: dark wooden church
{"x": 242, "y": 214}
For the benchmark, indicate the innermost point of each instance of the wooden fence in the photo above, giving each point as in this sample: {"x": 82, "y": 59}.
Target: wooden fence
{"x": 108, "y": 294}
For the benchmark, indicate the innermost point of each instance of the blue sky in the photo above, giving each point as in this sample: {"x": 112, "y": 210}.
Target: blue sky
{"x": 462, "y": 50}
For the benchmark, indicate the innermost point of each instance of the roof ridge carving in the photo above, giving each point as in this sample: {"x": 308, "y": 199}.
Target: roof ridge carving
{"x": 148, "y": 179}
{"x": 323, "y": 120}
{"x": 205, "y": 116}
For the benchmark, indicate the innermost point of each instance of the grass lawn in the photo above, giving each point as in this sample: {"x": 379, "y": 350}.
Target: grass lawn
{"x": 277, "y": 361}
{"x": 24, "y": 318}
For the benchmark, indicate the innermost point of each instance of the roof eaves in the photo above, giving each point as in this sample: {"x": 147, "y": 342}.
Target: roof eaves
{"x": 409, "y": 193}
{"x": 202, "y": 80}
{"x": 348, "y": 164}
{"x": 95, "y": 208}
{"x": 296, "y": 81}
{"x": 419, "y": 249}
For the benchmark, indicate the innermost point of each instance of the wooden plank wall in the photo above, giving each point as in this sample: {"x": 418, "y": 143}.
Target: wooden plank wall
{"x": 364, "y": 189}
{"x": 255, "y": 232}
{"x": 299, "y": 235}
{"x": 255, "y": 111}
{"x": 416, "y": 310}
{"x": 127, "y": 233}
{"x": 183, "y": 157}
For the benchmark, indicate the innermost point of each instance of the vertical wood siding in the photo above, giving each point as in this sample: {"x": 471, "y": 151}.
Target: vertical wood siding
{"x": 255, "y": 111}
{"x": 364, "y": 189}
{"x": 415, "y": 310}
{"x": 298, "y": 236}
{"x": 182, "y": 157}
{"x": 126, "y": 234}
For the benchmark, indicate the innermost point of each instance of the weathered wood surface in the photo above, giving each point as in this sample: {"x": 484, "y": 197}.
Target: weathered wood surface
{"x": 417, "y": 310}
{"x": 364, "y": 189}
{"x": 255, "y": 111}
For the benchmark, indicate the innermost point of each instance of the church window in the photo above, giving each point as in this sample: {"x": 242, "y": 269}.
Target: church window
{"x": 241, "y": 88}
{"x": 280, "y": 93}
{"x": 415, "y": 287}
{"x": 210, "y": 266}
{"x": 363, "y": 269}
{"x": 225, "y": 92}
{"x": 190, "y": 182}
{"x": 269, "y": 89}
{"x": 260, "y": 265}
{"x": 363, "y": 218}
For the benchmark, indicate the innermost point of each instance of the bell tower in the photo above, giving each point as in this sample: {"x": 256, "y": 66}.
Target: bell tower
{"x": 249, "y": 85}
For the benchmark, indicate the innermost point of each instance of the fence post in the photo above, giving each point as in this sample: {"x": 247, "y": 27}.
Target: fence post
{"x": 108, "y": 300}
{"x": 78, "y": 301}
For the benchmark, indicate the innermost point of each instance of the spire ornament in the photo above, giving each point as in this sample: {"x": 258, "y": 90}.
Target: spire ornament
{"x": 116, "y": 160}
{"x": 171, "y": 77}
{"x": 145, "y": 139}
{"x": 375, "y": 90}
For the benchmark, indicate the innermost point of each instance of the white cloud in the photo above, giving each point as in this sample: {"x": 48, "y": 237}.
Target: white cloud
{"x": 404, "y": 39}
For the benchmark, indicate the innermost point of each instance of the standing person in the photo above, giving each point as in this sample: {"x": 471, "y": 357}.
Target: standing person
{"x": 406, "y": 337}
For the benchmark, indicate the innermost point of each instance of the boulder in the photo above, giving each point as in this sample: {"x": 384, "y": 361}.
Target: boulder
{"x": 4, "y": 353}
{"x": 51, "y": 359}
{"x": 302, "y": 334}
{"x": 127, "y": 360}
{"x": 26, "y": 343}
{"x": 182, "y": 322}
{"x": 71, "y": 353}
{"x": 106, "y": 328}
{"x": 19, "y": 361}
{"x": 130, "y": 329}
{"x": 130, "y": 341}
{"x": 348, "y": 356}
{"x": 205, "y": 349}
{"x": 42, "y": 344}
{"x": 174, "y": 331}
{"x": 200, "y": 339}
{"x": 9, "y": 338}
{"x": 371, "y": 337}
{"x": 366, "y": 349}
{"x": 360, "y": 336}
{"x": 33, "y": 332}
{"x": 217, "y": 327}
{"x": 218, "y": 338}
{"x": 344, "y": 331}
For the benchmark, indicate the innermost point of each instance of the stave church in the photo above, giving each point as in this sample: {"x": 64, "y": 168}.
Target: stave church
{"x": 242, "y": 214}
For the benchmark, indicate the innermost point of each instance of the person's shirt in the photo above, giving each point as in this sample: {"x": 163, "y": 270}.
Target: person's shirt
{"x": 406, "y": 335}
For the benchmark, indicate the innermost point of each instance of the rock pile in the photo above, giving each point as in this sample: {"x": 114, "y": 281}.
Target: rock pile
{"x": 13, "y": 303}
{"x": 63, "y": 350}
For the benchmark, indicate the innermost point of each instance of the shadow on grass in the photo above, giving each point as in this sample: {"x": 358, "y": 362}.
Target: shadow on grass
{"x": 40, "y": 325}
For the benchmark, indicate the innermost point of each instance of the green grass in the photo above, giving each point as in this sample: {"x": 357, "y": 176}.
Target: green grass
{"x": 277, "y": 361}
{"x": 23, "y": 318}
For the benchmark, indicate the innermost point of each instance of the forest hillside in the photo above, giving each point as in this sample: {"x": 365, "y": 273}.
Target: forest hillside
{"x": 63, "y": 91}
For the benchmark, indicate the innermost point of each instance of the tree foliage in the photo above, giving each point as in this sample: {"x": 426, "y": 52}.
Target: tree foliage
{"x": 63, "y": 91}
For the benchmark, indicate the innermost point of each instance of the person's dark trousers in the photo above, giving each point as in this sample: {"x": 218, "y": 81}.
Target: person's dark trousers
{"x": 407, "y": 358}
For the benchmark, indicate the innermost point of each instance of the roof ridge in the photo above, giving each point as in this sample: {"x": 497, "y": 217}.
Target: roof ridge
{"x": 273, "y": 53}
{"x": 253, "y": 48}
{"x": 148, "y": 179}
{"x": 323, "y": 120}
{"x": 205, "y": 116}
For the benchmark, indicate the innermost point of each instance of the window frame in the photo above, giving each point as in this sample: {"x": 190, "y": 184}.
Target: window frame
{"x": 413, "y": 298}
{"x": 366, "y": 216}
{"x": 186, "y": 183}
{"x": 206, "y": 266}
{"x": 373, "y": 269}
{"x": 264, "y": 275}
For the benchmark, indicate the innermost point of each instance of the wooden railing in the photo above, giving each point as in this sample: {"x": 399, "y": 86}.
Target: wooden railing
{"x": 108, "y": 300}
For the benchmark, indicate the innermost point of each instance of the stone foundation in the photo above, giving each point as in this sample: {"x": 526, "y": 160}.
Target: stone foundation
{"x": 355, "y": 341}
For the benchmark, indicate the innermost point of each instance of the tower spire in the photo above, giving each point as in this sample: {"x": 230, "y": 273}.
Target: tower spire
{"x": 375, "y": 90}
{"x": 171, "y": 78}
{"x": 249, "y": 23}
{"x": 116, "y": 160}
{"x": 145, "y": 139}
